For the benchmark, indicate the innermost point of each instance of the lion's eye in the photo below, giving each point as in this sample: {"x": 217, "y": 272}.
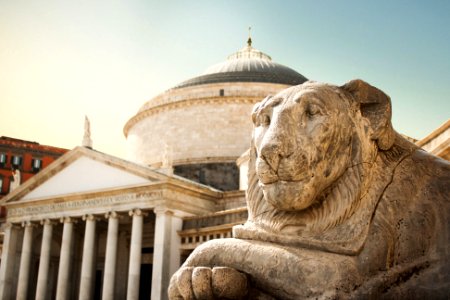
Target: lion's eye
{"x": 313, "y": 110}
{"x": 263, "y": 120}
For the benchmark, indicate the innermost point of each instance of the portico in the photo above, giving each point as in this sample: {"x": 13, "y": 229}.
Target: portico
{"x": 92, "y": 225}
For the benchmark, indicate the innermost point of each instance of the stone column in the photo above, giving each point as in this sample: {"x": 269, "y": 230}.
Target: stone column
{"x": 166, "y": 251}
{"x": 110, "y": 256}
{"x": 7, "y": 273}
{"x": 64, "y": 269}
{"x": 134, "y": 271}
{"x": 44, "y": 262}
{"x": 25, "y": 260}
{"x": 88, "y": 260}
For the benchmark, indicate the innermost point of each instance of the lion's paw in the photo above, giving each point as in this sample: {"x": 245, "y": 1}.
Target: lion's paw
{"x": 200, "y": 283}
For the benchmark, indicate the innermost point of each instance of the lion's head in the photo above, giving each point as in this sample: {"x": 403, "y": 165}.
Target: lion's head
{"x": 312, "y": 152}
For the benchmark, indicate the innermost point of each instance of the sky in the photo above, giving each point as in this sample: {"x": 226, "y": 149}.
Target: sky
{"x": 61, "y": 60}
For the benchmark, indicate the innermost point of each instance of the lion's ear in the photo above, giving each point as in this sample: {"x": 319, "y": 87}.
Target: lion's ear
{"x": 376, "y": 107}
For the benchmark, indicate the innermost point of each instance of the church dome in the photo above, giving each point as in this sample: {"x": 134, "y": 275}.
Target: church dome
{"x": 247, "y": 65}
{"x": 203, "y": 125}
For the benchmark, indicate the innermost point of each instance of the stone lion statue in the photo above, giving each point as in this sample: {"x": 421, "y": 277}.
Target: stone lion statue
{"x": 340, "y": 207}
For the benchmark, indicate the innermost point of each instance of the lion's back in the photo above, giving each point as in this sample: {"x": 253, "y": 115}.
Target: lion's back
{"x": 410, "y": 229}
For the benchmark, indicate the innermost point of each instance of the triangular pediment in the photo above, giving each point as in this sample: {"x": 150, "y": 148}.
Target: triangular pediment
{"x": 83, "y": 170}
{"x": 85, "y": 175}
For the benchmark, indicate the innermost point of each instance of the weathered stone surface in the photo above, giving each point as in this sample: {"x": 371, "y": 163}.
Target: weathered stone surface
{"x": 228, "y": 283}
{"x": 340, "y": 205}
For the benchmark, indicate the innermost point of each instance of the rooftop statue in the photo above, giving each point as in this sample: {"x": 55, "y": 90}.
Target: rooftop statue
{"x": 340, "y": 207}
{"x": 167, "y": 160}
{"x": 87, "y": 141}
{"x": 16, "y": 179}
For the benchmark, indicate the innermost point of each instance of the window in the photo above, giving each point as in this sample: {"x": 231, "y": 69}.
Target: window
{"x": 16, "y": 161}
{"x": 36, "y": 164}
{"x": 222, "y": 92}
{"x": 3, "y": 159}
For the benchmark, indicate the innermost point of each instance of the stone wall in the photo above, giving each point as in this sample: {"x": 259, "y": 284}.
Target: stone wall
{"x": 196, "y": 133}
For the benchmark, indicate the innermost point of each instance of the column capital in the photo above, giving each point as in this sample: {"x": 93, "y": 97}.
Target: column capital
{"x": 112, "y": 214}
{"x": 159, "y": 210}
{"x": 28, "y": 224}
{"x": 89, "y": 217}
{"x": 68, "y": 220}
{"x": 47, "y": 222}
{"x": 137, "y": 212}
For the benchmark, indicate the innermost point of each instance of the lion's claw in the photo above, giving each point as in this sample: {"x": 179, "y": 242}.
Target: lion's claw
{"x": 203, "y": 283}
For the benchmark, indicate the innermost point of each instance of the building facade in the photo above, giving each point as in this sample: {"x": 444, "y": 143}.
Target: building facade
{"x": 93, "y": 226}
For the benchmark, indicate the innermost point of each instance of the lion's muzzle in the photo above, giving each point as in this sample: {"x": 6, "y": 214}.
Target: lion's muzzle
{"x": 272, "y": 166}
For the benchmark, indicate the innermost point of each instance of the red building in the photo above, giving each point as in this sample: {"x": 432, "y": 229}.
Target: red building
{"x": 28, "y": 157}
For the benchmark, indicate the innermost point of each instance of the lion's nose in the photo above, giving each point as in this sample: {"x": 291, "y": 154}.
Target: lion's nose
{"x": 274, "y": 152}
{"x": 270, "y": 154}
